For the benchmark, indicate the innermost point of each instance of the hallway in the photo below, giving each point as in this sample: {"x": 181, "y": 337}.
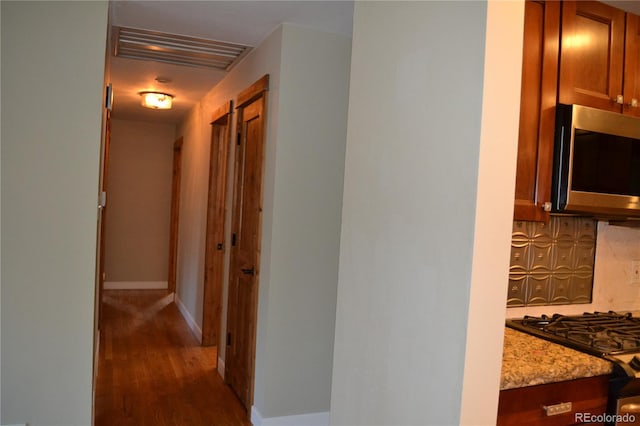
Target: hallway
{"x": 152, "y": 370}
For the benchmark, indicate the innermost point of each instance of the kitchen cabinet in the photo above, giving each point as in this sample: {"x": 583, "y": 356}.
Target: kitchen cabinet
{"x": 574, "y": 52}
{"x": 526, "y": 406}
{"x": 537, "y": 110}
{"x": 631, "y": 82}
{"x": 599, "y": 57}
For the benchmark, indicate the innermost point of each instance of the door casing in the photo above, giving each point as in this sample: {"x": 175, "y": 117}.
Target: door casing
{"x": 215, "y": 245}
{"x": 244, "y": 271}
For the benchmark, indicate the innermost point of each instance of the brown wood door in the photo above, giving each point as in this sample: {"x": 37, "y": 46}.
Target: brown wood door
{"x": 215, "y": 245}
{"x": 245, "y": 250}
{"x": 632, "y": 66}
{"x": 102, "y": 216}
{"x": 537, "y": 110}
{"x": 175, "y": 210}
{"x": 591, "y": 56}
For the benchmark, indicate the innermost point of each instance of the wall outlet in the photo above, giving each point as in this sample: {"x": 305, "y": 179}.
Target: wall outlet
{"x": 635, "y": 271}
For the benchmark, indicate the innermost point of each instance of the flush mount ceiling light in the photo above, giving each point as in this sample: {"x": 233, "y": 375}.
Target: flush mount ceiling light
{"x": 156, "y": 100}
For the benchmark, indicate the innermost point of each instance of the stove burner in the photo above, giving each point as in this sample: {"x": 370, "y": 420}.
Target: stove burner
{"x": 598, "y": 333}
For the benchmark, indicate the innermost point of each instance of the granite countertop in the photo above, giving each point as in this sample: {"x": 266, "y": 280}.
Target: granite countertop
{"x": 529, "y": 360}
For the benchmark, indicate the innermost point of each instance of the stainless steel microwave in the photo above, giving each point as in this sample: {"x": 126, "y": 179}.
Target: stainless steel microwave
{"x": 596, "y": 168}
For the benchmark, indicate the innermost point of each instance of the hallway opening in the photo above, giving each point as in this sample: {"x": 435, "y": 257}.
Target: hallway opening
{"x": 153, "y": 371}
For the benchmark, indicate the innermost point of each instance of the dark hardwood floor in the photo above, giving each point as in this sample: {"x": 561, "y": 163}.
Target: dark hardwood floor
{"x": 152, "y": 370}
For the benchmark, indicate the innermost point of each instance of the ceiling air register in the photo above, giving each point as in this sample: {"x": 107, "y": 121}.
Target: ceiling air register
{"x": 176, "y": 49}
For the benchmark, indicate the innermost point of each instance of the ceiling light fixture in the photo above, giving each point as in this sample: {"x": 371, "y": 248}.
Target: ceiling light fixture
{"x": 156, "y": 100}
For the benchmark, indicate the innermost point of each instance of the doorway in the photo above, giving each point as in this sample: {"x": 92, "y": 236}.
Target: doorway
{"x": 174, "y": 215}
{"x": 244, "y": 269}
{"x": 243, "y": 247}
{"x": 215, "y": 246}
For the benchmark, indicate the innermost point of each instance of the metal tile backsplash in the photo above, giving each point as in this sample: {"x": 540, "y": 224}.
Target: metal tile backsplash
{"x": 552, "y": 264}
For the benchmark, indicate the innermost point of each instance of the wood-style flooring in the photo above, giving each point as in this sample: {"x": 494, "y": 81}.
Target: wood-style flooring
{"x": 152, "y": 370}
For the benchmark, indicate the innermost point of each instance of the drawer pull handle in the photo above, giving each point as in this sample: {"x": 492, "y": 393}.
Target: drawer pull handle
{"x": 554, "y": 410}
{"x": 630, "y": 408}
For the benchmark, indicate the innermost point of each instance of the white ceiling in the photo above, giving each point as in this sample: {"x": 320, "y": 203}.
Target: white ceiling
{"x": 244, "y": 22}
{"x": 238, "y": 21}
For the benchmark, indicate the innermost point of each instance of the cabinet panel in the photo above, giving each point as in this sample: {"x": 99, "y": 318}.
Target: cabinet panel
{"x": 524, "y": 406}
{"x": 537, "y": 109}
{"x": 632, "y": 65}
{"x": 591, "y": 54}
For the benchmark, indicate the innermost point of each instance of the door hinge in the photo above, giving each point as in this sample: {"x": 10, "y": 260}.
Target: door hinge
{"x": 233, "y": 240}
{"x": 229, "y": 339}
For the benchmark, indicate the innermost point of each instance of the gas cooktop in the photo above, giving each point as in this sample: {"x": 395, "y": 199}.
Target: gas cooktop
{"x": 597, "y": 333}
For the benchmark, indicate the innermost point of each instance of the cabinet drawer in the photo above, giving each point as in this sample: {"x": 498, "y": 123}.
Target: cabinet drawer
{"x": 525, "y": 406}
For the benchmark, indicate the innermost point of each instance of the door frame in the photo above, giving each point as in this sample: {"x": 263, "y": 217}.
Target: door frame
{"x": 175, "y": 215}
{"x": 257, "y": 91}
{"x": 102, "y": 215}
{"x": 215, "y": 244}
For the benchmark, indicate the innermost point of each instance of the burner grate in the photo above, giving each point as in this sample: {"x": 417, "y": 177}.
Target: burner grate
{"x": 601, "y": 333}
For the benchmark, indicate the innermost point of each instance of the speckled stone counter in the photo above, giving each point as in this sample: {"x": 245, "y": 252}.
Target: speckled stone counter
{"x": 528, "y": 360}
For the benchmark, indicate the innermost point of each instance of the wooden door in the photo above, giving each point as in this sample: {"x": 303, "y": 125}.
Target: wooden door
{"x": 632, "y": 66}
{"x": 591, "y": 55}
{"x": 215, "y": 245}
{"x": 537, "y": 110}
{"x": 102, "y": 216}
{"x": 175, "y": 210}
{"x": 244, "y": 271}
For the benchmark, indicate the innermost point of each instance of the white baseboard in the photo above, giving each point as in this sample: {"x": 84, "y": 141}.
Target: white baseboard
{"x": 136, "y": 285}
{"x": 221, "y": 367}
{"x": 193, "y": 325}
{"x": 311, "y": 419}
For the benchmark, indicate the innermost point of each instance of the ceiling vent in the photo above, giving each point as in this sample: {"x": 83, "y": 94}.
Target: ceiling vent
{"x": 175, "y": 49}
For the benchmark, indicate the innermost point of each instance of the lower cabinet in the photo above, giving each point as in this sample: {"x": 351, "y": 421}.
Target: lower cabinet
{"x": 538, "y": 405}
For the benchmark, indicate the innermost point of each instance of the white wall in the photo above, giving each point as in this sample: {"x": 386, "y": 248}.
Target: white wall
{"x": 139, "y": 202}
{"x": 196, "y": 131}
{"x": 417, "y": 218}
{"x": 296, "y": 325}
{"x": 301, "y": 212}
{"x": 52, "y": 69}
{"x": 494, "y": 212}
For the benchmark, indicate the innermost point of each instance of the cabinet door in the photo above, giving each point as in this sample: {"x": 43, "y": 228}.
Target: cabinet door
{"x": 591, "y": 54}
{"x": 525, "y": 406}
{"x": 537, "y": 109}
{"x": 632, "y": 65}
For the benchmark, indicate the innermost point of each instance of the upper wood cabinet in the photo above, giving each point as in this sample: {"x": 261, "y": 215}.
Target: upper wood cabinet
{"x": 594, "y": 70}
{"x": 631, "y": 81}
{"x": 596, "y": 49}
{"x": 537, "y": 110}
